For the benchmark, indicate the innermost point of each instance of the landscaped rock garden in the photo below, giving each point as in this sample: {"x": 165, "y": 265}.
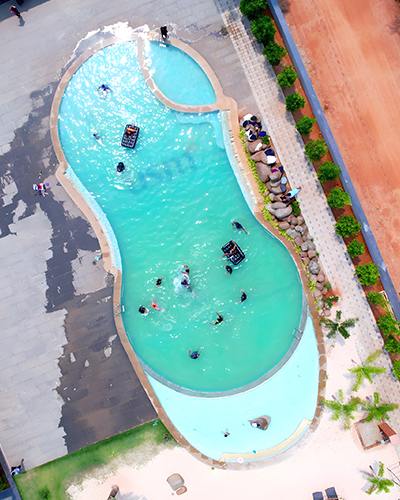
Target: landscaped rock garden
{"x": 285, "y": 216}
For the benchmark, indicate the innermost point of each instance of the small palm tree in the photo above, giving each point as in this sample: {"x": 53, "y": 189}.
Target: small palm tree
{"x": 377, "y": 410}
{"x": 341, "y": 409}
{"x": 366, "y": 371}
{"x": 378, "y": 483}
{"x": 337, "y": 326}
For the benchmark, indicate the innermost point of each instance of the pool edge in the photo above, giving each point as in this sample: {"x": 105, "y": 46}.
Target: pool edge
{"x": 228, "y": 105}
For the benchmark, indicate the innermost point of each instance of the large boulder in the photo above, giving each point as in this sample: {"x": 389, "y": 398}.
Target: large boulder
{"x": 284, "y": 225}
{"x": 263, "y": 171}
{"x": 279, "y": 212}
{"x": 313, "y": 267}
{"x": 259, "y": 156}
{"x": 255, "y": 146}
{"x": 292, "y": 233}
{"x": 275, "y": 176}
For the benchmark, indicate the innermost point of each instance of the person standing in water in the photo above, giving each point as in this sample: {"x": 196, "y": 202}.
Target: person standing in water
{"x": 194, "y": 354}
{"x": 239, "y": 226}
{"x": 243, "y": 297}
{"x": 143, "y": 310}
{"x": 158, "y": 281}
{"x": 228, "y": 269}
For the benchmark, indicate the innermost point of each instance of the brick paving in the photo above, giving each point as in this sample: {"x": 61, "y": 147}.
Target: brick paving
{"x": 317, "y": 214}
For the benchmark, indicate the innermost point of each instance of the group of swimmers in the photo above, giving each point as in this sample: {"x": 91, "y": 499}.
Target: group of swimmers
{"x": 185, "y": 282}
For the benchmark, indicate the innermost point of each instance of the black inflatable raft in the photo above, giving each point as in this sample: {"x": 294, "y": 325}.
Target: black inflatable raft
{"x": 131, "y": 134}
{"x": 235, "y": 256}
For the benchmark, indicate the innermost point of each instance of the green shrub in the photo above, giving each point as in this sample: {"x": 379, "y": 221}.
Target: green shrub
{"x": 337, "y": 198}
{"x": 44, "y": 493}
{"x": 347, "y": 226}
{"x": 305, "y": 124}
{"x": 368, "y": 274}
{"x": 396, "y": 369}
{"x": 252, "y": 8}
{"x": 328, "y": 171}
{"x": 315, "y": 150}
{"x": 392, "y": 345}
{"x": 266, "y": 140}
{"x": 296, "y": 210}
{"x": 388, "y": 325}
{"x": 376, "y": 298}
{"x": 287, "y": 77}
{"x": 294, "y": 102}
{"x": 263, "y": 30}
{"x": 274, "y": 53}
{"x": 355, "y": 248}
{"x": 330, "y": 300}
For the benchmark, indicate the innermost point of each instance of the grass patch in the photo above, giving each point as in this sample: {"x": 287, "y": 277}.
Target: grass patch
{"x": 52, "y": 479}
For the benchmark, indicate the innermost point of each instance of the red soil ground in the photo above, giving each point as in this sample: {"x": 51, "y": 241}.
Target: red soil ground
{"x": 352, "y": 51}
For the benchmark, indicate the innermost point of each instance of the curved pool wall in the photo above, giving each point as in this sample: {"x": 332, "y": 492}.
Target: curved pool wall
{"x": 289, "y": 398}
{"x": 174, "y": 204}
{"x": 163, "y": 393}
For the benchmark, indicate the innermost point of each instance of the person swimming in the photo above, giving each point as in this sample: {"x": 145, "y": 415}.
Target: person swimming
{"x": 143, "y": 310}
{"x": 194, "y": 354}
{"x": 96, "y": 136}
{"x": 219, "y": 319}
{"x": 104, "y": 88}
{"x": 185, "y": 281}
{"x": 239, "y": 226}
{"x": 120, "y": 167}
{"x": 155, "y": 306}
{"x": 229, "y": 269}
{"x": 243, "y": 297}
{"x": 158, "y": 281}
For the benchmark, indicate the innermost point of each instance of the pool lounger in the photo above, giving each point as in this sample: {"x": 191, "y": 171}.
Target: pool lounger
{"x": 129, "y": 139}
{"x": 237, "y": 257}
{"x": 318, "y": 495}
{"x": 331, "y": 493}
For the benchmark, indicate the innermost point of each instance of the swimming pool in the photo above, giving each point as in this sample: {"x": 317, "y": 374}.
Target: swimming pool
{"x": 173, "y": 205}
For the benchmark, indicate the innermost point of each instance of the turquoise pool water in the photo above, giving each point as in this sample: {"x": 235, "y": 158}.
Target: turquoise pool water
{"x": 174, "y": 205}
{"x": 178, "y": 76}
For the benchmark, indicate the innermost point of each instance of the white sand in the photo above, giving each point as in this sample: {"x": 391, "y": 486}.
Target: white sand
{"x": 329, "y": 457}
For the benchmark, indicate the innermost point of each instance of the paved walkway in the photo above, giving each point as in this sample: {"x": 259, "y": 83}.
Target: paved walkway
{"x": 333, "y": 256}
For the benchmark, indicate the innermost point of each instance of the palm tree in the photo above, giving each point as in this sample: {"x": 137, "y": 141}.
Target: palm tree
{"x": 341, "y": 409}
{"x": 337, "y": 326}
{"x": 366, "y": 371}
{"x": 378, "y": 483}
{"x": 377, "y": 410}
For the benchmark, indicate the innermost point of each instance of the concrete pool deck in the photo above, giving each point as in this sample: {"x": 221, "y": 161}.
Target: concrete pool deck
{"x": 32, "y": 58}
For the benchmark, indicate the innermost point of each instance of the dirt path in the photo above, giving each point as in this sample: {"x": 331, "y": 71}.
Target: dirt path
{"x": 352, "y": 52}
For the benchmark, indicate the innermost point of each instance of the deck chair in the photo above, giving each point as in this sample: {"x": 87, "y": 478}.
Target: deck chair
{"x": 331, "y": 493}
{"x": 177, "y": 483}
{"x": 318, "y": 495}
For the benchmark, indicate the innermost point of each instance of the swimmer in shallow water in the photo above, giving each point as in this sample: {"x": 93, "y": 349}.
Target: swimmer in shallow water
{"x": 155, "y": 306}
{"x": 243, "y": 297}
{"x": 158, "y": 281}
{"x": 219, "y": 319}
{"x": 239, "y": 226}
{"x": 120, "y": 167}
{"x": 143, "y": 310}
{"x": 96, "y": 136}
{"x": 194, "y": 354}
{"x": 229, "y": 269}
